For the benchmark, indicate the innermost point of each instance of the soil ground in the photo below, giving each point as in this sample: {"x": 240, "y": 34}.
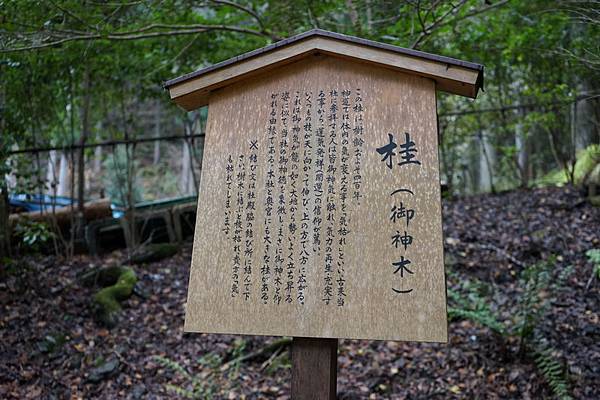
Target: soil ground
{"x": 51, "y": 347}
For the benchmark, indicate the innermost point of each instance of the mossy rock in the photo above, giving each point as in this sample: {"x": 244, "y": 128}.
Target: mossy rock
{"x": 587, "y": 160}
{"x": 108, "y": 300}
{"x": 593, "y": 181}
{"x": 154, "y": 252}
{"x": 595, "y": 201}
{"x": 104, "y": 277}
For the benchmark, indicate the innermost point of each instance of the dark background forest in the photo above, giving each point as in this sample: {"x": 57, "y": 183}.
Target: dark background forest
{"x": 82, "y": 106}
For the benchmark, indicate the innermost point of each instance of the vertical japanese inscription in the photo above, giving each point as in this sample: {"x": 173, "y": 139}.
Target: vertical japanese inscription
{"x": 313, "y": 153}
{"x": 330, "y": 198}
{"x": 250, "y": 213}
{"x": 265, "y": 269}
{"x": 343, "y": 211}
{"x": 238, "y": 227}
{"x": 293, "y": 199}
{"x": 307, "y": 154}
{"x": 358, "y": 143}
{"x": 281, "y": 204}
{"x": 228, "y": 183}
{"x": 319, "y": 173}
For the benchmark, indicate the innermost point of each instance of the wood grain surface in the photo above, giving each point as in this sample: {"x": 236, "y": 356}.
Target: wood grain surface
{"x": 394, "y": 103}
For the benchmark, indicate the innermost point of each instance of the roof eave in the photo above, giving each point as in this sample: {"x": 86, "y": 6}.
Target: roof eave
{"x": 191, "y": 91}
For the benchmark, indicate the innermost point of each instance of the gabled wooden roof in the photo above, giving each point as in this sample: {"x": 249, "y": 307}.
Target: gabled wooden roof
{"x": 192, "y": 90}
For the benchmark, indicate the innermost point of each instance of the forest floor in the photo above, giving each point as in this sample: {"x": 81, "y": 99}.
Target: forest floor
{"x": 50, "y": 346}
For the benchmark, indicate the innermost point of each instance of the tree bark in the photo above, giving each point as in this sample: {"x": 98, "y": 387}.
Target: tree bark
{"x": 51, "y": 181}
{"x": 156, "y": 157}
{"x": 586, "y": 121}
{"x": 85, "y": 132}
{"x": 63, "y": 176}
{"x": 4, "y": 227}
{"x": 486, "y": 164}
{"x": 522, "y": 152}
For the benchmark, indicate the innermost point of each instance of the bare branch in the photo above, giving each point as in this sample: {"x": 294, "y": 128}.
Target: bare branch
{"x": 141, "y": 33}
{"x": 244, "y": 9}
{"x": 434, "y": 25}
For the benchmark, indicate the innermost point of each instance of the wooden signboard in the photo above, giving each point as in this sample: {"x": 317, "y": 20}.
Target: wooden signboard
{"x": 319, "y": 213}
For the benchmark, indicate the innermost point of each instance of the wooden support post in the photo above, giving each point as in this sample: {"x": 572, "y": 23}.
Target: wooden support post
{"x": 314, "y": 368}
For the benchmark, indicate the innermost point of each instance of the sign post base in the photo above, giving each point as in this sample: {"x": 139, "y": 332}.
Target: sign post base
{"x": 314, "y": 368}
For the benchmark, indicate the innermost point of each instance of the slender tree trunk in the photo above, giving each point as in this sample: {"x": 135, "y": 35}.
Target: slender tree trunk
{"x": 586, "y": 124}
{"x": 51, "y": 173}
{"x": 63, "y": 176}
{"x": 157, "y": 116}
{"x": 4, "y": 228}
{"x": 486, "y": 164}
{"x": 85, "y": 133}
{"x": 522, "y": 152}
{"x": 186, "y": 183}
{"x": 185, "y": 169}
{"x": 4, "y": 185}
{"x": 98, "y": 151}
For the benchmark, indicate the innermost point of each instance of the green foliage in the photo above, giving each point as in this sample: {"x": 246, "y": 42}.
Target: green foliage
{"x": 33, "y": 235}
{"x": 159, "y": 181}
{"x": 553, "y": 371}
{"x": 474, "y": 306}
{"x": 120, "y": 168}
{"x": 539, "y": 282}
{"x": 533, "y": 303}
{"x": 52, "y": 343}
{"x": 281, "y": 361}
{"x": 201, "y": 386}
{"x": 239, "y": 346}
{"x": 593, "y": 256}
{"x": 587, "y": 161}
{"x": 213, "y": 378}
{"x": 535, "y": 52}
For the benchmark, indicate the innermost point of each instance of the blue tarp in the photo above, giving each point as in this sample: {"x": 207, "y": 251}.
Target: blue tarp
{"x": 36, "y": 202}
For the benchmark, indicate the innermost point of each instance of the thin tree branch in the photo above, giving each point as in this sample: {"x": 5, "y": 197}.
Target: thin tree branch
{"x": 244, "y": 9}
{"x": 72, "y": 15}
{"x": 434, "y": 25}
{"x": 141, "y": 33}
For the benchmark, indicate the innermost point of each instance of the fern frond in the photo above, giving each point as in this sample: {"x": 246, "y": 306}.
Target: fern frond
{"x": 180, "y": 391}
{"x": 552, "y": 371}
{"x": 173, "y": 365}
{"x": 481, "y": 316}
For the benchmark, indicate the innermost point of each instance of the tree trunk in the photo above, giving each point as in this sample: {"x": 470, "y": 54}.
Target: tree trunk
{"x": 522, "y": 153}
{"x": 486, "y": 164}
{"x": 186, "y": 183}
{"x": 51, "y": 181}
{"x": 586, "y": 123}
{"x": 156, "y": 157}
{"x": 186, "y": 164}
{"x": 98, "y": 151}
{"x": 85, "y": 132}
{"x": 4, "y": 227}
{"x": 63, "y": 176}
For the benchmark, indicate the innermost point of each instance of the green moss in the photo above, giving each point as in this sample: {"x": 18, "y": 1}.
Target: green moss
{"x": 154, "y": 252}
{"x": 595, "y": 201}
{"x": 587, "y": 160}
{"x": 107, "y": 301}
{"x": 105, "y": 276}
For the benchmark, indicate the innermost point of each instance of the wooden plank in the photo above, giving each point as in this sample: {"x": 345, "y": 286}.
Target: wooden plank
{"x": 239, "y": 115}
{"x": 314, "y": 368}
{"x": 455, "y": 79}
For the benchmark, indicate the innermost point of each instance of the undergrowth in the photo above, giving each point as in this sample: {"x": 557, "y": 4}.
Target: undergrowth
{"x": 212, "y": 378}
{"x": 540, "y": 284}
